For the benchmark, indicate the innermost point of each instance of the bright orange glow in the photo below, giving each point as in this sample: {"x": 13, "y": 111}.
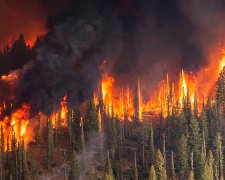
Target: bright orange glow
{"x": 182, "y": 87}
{"x": 222, "y": 62}
{"x": 64, "y": 110}
{"x": 168, "y": 94}
{"x": 139, "y": 100}
{"x": 107, "y": 92}
{"x": 16, "y": 126}
{"x": 120, "y": 100}
{"x": 60, "y": 118}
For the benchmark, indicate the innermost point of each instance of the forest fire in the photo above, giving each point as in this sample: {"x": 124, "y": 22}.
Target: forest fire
{"x": 17, "y": 124}
{"x": 119, "y": 101}
{"x": 64, "y": 110}
{"x": 15, "y": 127}
{"x": 32, "y": 26}
{"x": 169, "y": 94}
{"x": 60, "y": 118}
{"x": 116, "y": 90}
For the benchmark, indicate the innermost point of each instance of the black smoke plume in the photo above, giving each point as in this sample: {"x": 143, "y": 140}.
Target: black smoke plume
{"x": 67, "y": 62}
{"x": 138, "y": 38}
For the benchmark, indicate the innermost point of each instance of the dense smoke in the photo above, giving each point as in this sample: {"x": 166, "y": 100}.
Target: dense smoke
{"x": 67, "y": 63}
{"x": 138, "y": 38}
{"x": 165, "y": 36}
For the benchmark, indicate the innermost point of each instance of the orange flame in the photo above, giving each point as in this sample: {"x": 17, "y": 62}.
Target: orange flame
{"x": 64, "y": 110}
{"x": 188, "y": 88}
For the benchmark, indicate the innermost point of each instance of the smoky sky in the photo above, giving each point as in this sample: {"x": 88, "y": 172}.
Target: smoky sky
{"x": 144, "y": 39}
{"x": 68, "y": 61}
{"x": 158, "y": 36}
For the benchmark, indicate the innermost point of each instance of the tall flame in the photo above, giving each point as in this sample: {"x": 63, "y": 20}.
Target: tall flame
{"x": 167, "y": 95}
{"x": 64, "y": 110}
{"x": 118, "y": 100}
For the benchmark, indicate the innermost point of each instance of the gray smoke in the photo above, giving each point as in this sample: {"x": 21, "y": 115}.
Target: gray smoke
{"x": 67, "y": 63}
{"x": 94, "y": 154}
{"x": 153, "y": 39}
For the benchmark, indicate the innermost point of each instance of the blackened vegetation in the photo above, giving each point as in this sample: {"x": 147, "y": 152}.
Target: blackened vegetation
{"x": 12, "y": 58}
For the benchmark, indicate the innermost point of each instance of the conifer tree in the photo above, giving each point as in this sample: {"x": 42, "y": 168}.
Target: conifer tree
{"x": 144, "y": 139}
{"x": 2, "y": 145}
{"x": 76, "y": 123}
{"x": 82, "y": 138}
{"x": 135, "y": 168}
{"x": 70, "y": 129}
{"x": 120, "y": 144}
{"x": 108, "y": 177}
{"x": 7, "y": 152}
{"x": 204, "y": 144}
{"x": 152, "y": 174}
{"x": 192, "y": 161}
{"x": 187, "y": 107}
{"x": 173, "y": 173}
{"x": 143, "y": 151}
{"x": 191, "y": 175}
{"x": 56, "y": 129}
{"x": 216, "y": 172}
{"x": 219, "y": 155}
{"x": 92, "y": 174}
{"x": 199, "y": 166}
{"x": 126, "y": 125}
{"x": 179, "y": 127}
{"x": 14, "y": 161}
{"x": 159, "y": 166}
{"x": 91, "y": 123}
{"x": 204, "y": 125}
{"x": 109, "y": 173}
{"x": 20, "y": 159}
{"x": 18, "y": 50}
{"x": 152, "y": 146}
{"x": 113, "y": 139}
{"x": 195, "y": 137}
{"x": 208, "y": 168}
{"x": 182, "y": 157}
{"x": 164, "y": 148}
{"x": 74, "y": 172}
{"x": 24, "y": 163}
{"x": 50, "y": 144}
{"x": 183, "y": 126}
{"x": 213, "y": 122}
{"x": 195, "y": 107}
